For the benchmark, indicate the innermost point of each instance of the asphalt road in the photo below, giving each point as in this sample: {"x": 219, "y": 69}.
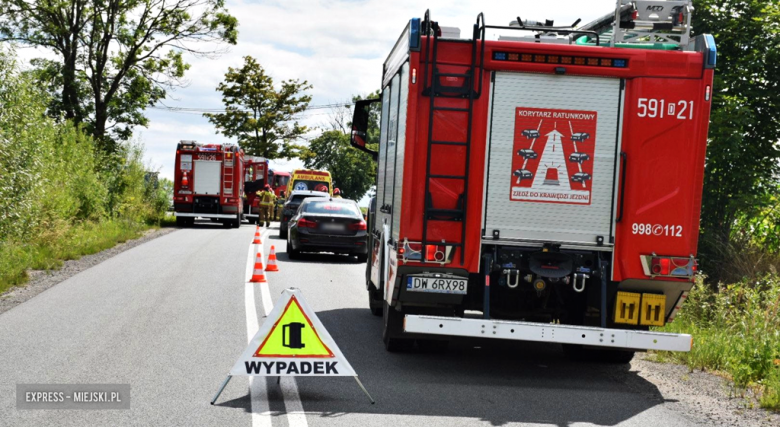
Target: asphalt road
{"x": 171, "y": 316}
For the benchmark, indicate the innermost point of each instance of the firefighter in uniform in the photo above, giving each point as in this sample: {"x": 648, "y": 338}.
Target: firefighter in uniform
{"x": 266, "y": 202}
{"x": 336, "y": 193}
{"x": 279, "y": 206}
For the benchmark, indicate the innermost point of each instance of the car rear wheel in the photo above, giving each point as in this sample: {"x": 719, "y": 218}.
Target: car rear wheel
{"x": 282, "y": 233}
{"x": 292, "y": 253}
{"x": 361, "y": 258}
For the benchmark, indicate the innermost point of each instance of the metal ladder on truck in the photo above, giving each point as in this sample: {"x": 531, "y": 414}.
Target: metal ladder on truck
{"x": 466, "y": 93}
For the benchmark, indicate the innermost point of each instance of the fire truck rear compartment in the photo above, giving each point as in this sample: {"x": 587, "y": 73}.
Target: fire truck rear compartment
{"x": 549, "y": 198}
{"x": 207, "y": 179}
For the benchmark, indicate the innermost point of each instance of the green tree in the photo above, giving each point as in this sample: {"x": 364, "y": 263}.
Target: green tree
{"x": 114, "y": 57}
{"x": 743, "y": 157}
{"x": 258, "y": 115}
{"x": 353, "y": 171}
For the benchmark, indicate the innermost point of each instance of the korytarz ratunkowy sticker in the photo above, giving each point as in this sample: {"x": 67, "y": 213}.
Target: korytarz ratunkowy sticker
{"x": 552, "y": 158}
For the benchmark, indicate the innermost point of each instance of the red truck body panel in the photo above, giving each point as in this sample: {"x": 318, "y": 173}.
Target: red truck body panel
{"x": 665, "y": 155}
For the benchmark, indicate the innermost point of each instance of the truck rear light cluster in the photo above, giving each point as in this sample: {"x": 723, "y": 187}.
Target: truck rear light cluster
{"x": 305, "y": 223}
{"x": 438, "y": 253}
{"x": 560, "y": 59}
{"x": 667, "y": 266}
{"x": 358, "y": 226}
{"x": 230, "y": 200}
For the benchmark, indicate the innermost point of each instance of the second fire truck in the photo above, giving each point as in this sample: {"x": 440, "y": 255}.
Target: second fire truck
{"x": 542, "y": 186}
{"x": 208, "y": 183}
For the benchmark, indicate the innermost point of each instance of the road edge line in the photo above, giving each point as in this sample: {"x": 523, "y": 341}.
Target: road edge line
{"x": 259, "y": 404}
{"x": 296, "y": 417}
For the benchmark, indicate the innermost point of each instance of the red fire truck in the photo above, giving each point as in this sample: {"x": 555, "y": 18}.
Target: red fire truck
{"x": 544, "y": 185}
{"x": 208, "y": 183}
{"x": 258, "y": 174}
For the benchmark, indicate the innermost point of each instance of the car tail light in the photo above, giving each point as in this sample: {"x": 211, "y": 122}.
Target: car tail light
{"x": 668, "y": 266}
{"x": 305, "y": 223}
{"x": 358, "y": 226}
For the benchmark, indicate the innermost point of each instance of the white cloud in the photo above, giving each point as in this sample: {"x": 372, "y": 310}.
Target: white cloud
{"x": 336, "y": 45}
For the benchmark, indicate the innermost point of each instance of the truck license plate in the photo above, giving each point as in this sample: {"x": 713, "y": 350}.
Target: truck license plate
{"x": 440, "y": 285}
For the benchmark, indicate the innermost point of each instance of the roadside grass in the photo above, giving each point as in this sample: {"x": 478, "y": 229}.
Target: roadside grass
{"x": 60, "y": 243}
{"x": 736, "y": 331}
{"x": 167, "y": 221}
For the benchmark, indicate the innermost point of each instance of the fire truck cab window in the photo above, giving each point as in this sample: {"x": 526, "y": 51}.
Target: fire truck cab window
{"x": 381, "y": 161}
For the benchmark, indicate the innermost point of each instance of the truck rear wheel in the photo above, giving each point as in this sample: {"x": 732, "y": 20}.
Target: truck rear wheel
{"x": 392, "y": 328}
{"x": 181, "y": 222}
{"x": 374, "y": 301}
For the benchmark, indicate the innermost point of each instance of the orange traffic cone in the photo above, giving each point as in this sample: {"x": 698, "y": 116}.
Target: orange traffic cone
{"x": 272, "y": 261}
{"x": 258, "y": 276}
{"x": 257, "y": 237}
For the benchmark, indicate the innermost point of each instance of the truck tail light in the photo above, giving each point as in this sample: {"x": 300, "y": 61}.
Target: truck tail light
{"x": 435, "y": 253}
{"x": 358, "y": 226}
{"x": 439, "y": 253}
{"x": 668, "y": 266}
{"x": 305, "y": 223}
{"x": 707, "y": 93}
{"x": 661, "y": 266}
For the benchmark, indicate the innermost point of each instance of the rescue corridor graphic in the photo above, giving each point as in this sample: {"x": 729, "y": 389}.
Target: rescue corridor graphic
{"x": 552, "y": 159}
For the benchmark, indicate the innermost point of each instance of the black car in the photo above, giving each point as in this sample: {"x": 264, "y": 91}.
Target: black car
{"x": 579, "y": 157}
{"x": 522, "y": 174}
{"x": 530, "y": 133}
{"x": 580, "y": 177}
{"x": 291, "y": 206}
{"x": 328, "y": 225}
{"x": 579, "y": 137}
{"x": 527, "y": 154}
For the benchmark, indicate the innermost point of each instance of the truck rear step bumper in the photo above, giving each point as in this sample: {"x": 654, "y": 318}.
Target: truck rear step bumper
{"x": 204, "y": 215}
{"x": 541, "y": 332}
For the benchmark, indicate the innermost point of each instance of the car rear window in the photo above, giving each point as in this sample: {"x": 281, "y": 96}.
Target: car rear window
{"x": 297, "y": 198}
{"x": 330, "y": 207}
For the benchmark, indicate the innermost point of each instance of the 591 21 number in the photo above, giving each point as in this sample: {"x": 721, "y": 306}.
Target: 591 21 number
{"x": 660, "y": 108}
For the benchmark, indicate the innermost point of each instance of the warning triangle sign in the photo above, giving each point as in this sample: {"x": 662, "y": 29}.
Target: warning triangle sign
{"x": 292, "y": 342}
{"x": 293, "y": 335}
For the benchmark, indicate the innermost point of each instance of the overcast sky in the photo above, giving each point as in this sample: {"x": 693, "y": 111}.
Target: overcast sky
{"x": 337, "y": 45}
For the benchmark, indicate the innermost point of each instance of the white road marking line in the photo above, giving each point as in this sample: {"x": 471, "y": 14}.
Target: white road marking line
{"x": 292, "y": 400}
{"x": 261, "y": 413}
